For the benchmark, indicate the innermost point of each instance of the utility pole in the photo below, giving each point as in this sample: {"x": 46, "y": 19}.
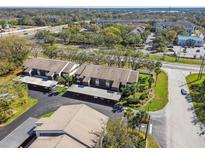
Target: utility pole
{"x": 202, "y": 68}
{"x": 147, "y": 129}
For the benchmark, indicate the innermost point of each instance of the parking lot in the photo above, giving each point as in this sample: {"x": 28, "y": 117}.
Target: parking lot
{"x": 48, "y": 103}
{"x": 196, "y": 52}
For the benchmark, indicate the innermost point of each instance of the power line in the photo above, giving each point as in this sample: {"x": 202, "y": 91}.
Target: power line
{"x": 202, "y": 68}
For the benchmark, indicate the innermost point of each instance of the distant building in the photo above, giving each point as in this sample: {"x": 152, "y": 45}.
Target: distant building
{"x": 189, "y": 27}
{"x": 190, "y": 41}
{"x": 71, "y": 126}
{"x": 138, "y": 29}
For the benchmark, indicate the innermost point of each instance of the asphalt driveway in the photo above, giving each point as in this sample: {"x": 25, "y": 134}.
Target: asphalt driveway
{"x": 49, "y": 103}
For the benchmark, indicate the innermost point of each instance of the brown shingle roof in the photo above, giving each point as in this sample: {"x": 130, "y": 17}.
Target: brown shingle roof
{"x": 133, "y": 76}
{"x": 108, "y": 73}
{"x": 68, "y": 68}
{"x": 50, "y": 65}
{"x": 81, "y": 69}
{"x": 79, "y": 121}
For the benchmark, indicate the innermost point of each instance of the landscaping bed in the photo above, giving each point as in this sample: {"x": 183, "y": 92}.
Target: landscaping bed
{"x": 197, "y": 92}
{"x": 160, "y": 94}
{"x": 137, "y": 94}
{"x": 152, "y": 95}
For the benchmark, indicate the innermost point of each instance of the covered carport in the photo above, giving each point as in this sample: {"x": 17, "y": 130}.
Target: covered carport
{"x": 95, "y": 92}
{"x": 18, "y": 136}
{"x": 38, "y": 81}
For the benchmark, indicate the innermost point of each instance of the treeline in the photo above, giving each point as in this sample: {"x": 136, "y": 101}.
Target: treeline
{"x": 96, "y": 35}
{"x": 42, "y": 17}
{"x": 167, "y": 37}
{"x": 120, "y": 56}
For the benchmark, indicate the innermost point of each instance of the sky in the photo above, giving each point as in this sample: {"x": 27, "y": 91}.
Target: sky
{"x": 102, "y": 3}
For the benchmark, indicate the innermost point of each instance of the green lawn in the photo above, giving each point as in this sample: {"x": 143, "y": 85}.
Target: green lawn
{"x": 21, "y": 100}
{"x": 160, "y": 94}
{"x": 151, "y": 142}
{"x": 173, "y": 59}
{"x": 193, "y": 80}
{"x": 47, "y": 115}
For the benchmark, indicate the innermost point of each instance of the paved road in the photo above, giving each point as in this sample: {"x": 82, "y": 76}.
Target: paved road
{"x": 174, "y": 126}
{"x": 148, "y": 43}
{"x": 184, "y": 67}
{"x": 51, "y": 103}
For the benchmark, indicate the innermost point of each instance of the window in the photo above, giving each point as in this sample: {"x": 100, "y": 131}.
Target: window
{"x": 107, "y": 83}
{"x": 38, "y": 72}
{"x": 78, "y": 77}
{"x": 97, "y": 82}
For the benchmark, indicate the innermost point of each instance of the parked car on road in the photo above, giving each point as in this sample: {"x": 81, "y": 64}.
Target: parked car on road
{"x": 184, "y": 92}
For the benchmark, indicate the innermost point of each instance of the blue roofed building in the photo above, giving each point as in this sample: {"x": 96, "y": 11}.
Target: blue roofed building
{"x": 190, "y": 41}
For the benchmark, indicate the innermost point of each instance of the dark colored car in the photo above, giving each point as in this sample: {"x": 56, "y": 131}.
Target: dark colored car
{"x": 184, "y": 92}
{"x": 117, "y": 108}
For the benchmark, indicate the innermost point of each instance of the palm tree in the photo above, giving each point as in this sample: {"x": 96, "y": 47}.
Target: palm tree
{"x": 128, "y": 114}
{"x": 150, "y": 82}
{"x": 4, "y": 106}
{"x": 157, "y": 72}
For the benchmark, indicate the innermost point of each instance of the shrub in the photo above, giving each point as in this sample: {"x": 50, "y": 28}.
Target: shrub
{"x": 143, "y": 96}
{"x": 61, "y": 80}
{"x": 133, "y": 100}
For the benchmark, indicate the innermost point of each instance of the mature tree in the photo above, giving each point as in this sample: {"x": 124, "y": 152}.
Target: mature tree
{"x": 129, "y": 114}
{"x": 50, "y": 39}
{"x": 171, "y": 35}
{"x": 157, "y": 70}
{"x": 42, "y": 34}
{"x": 133, "y": 39}
{"x": 158, "y": 64}
{"x": 151, "y": 80}
{"x": 112, "y": 36}
{"x": 5, "y": 106}
{"x": 13, "y": 49}
{"x": 65, "y": 35}
{"x": 119, "y": 54}
{"x": 180, "y": 30}
{"x": 118, "y": 135}
{"x": 35, "y": 49}
{"x": 50, "y": 51}
{"x": 160, "y": 43}
{"x": 70, "y": 80}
